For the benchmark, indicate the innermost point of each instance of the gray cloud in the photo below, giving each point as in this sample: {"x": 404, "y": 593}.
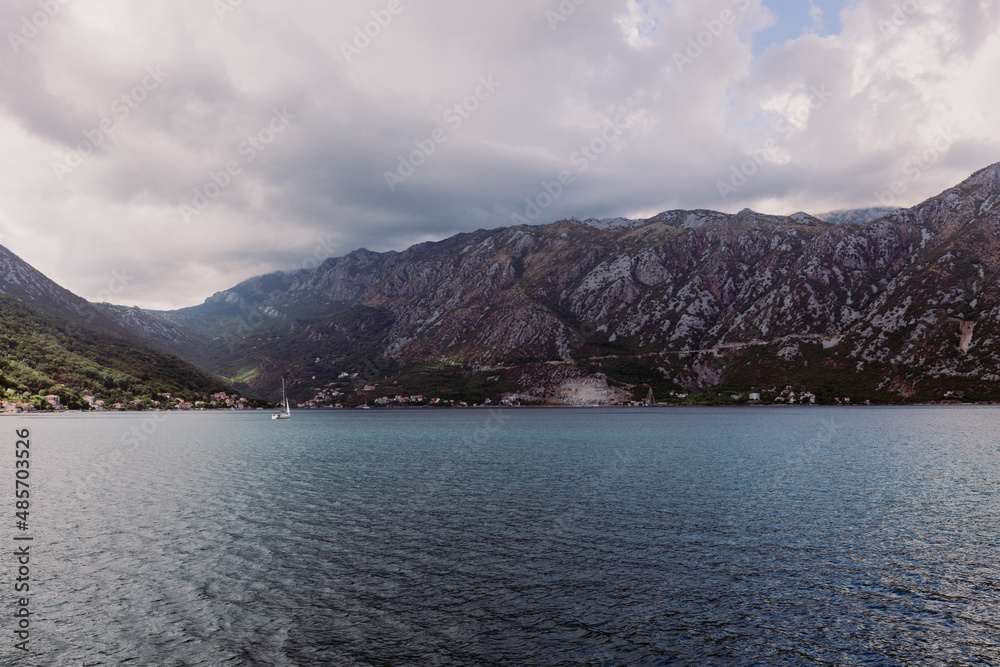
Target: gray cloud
{"x": 819, "y": 122}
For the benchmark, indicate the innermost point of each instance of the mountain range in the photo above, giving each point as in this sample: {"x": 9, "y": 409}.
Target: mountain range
{"x": 55, "y": 343}
{"x": 887, "y": 305}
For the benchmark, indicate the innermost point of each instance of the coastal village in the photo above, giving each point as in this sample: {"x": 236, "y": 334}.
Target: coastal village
{"x": 166, "y": 401}
{"x": 334, "y": 397}
{"x": 337, "y": 396}
{"x": 350, "y": 391}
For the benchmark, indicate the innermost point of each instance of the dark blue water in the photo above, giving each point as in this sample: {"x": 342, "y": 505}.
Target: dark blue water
{"x": 523, "y": 537}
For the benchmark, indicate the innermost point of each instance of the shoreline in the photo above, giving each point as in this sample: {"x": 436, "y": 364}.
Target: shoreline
{"x": 507, "y": 407}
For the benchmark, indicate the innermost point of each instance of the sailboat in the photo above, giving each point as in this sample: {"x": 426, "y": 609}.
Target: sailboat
{"x": 287, "y": 413}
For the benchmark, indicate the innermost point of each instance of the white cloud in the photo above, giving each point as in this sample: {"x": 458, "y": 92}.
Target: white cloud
{"x": 638, "y": 25}
{"x": 832, "y": 119}
{"x": 815, "y": 15}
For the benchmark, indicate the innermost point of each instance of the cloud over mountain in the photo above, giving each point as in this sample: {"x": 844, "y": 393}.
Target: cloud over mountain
{"x": 888, "y": 110}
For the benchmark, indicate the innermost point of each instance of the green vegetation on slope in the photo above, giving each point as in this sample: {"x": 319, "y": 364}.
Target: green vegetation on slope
{"x": 41, "y": 355}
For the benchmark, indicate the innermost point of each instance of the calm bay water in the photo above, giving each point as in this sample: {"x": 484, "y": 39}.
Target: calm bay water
{"x": 542, "y": 537}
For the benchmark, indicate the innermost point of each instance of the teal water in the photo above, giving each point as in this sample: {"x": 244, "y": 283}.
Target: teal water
{"x": 514, "y": 537}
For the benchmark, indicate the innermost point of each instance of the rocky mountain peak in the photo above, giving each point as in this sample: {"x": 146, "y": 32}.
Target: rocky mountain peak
{"x": 613, "y": 223}
{"x": 976, "y": 196}
{"x": 22, "y": 281}
{"x": 855, "y": 216}
{"x": 987, "y": 180}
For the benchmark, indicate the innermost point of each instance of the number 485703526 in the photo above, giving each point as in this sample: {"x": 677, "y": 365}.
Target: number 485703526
{"x": 21, "y": 487}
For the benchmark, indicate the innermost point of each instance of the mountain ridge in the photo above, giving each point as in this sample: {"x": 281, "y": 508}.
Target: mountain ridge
{"x": 684, "y": 300}
{"x": 53, "y": 342}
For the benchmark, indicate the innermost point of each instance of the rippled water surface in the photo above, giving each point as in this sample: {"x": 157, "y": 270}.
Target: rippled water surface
{"x": 522, "y": 537}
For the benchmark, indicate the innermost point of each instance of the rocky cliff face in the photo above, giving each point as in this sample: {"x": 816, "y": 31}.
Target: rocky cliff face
{"x": 855, "y": 216}
{"x": 899, "y": 307}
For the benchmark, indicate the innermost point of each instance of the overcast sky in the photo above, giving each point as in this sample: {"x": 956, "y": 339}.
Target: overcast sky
{"x": 156, "y": 152}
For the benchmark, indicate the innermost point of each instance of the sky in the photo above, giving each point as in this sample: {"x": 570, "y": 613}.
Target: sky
{"x": 157, "y": 152}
